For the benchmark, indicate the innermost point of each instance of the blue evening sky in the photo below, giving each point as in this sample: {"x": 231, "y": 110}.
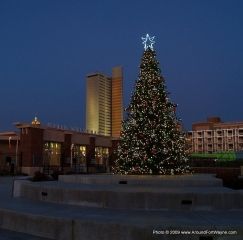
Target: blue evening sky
{"x": 48, "y": 46}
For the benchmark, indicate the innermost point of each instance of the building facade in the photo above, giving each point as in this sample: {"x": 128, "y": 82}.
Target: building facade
{"x": 98, "y": 104}
{"x": 9, "y": 142}
{"x": 104, "y": 105}
{"x": 116, "y": 101}
{"x": 39, "y": 148}
{"x": 215, "y": 136}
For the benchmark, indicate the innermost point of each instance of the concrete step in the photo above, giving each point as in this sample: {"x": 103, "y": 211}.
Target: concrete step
{"x": 195, "y": 180}
{"x": 122, "y": 196}
{"x": 62, "y": 222}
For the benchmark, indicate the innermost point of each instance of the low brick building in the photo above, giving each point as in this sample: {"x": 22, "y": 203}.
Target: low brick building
{"x": 44, "y": 148}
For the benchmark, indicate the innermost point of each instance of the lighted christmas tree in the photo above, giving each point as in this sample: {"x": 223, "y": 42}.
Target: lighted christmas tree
{"x": 151, "y": 141}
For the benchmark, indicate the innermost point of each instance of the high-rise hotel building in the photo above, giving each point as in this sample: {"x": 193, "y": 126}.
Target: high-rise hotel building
{"x": 104, "y": 103}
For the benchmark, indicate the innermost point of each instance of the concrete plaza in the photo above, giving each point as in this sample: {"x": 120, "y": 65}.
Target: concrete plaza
{"x": 67, "y": 221}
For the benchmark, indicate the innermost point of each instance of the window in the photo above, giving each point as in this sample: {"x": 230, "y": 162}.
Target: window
{"x": 52, "y": 153}
{"x": 230, "y": 132}
{"x": 240, "y": 146}
{"x": 230, "y": 146}
{"x": 199, "y": 134}
{"x": 240, "y": 131}
{"x": 79, "y": 154}
{"x": 230, "y": 139}
{"x": 101, "y": 155}
{"x": 219, "y": 133}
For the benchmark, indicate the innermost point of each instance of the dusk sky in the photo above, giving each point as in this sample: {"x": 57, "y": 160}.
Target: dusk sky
{"x": 47, "y": 47}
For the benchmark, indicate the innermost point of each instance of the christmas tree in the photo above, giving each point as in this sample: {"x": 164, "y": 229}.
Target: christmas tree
{"x": 151, "y": 141}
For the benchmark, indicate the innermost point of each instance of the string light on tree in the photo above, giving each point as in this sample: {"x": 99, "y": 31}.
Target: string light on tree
{"x": 151, "y": 142}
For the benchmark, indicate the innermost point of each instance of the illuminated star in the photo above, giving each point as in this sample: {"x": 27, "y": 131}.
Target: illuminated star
{"x": 148, "y": 42}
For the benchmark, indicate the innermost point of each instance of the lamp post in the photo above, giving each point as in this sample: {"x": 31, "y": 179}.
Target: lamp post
{"x": 16, "y": 154}
{"x": 71, "y": 162}
{"x": 9, "y": 142}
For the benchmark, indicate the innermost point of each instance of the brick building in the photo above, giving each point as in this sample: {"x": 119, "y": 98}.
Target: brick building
{"x": 8, "y": 150}
{"x": 37, "y": 147}
{"x": 214, "y": 135}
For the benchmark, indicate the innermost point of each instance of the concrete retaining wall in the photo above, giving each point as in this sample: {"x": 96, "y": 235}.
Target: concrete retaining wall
{"x": 126, "y": 197}
{"x": 67, "y": 229}
{"x": 198, "y": 180}
{"x": 41, "y": 226}
{"x": 76, "y": 229}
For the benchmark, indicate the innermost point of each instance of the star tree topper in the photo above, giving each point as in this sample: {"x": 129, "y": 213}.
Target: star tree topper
{"x": 148, "y": 41}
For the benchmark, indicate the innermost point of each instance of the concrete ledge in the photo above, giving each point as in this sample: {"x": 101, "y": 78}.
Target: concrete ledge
{"x": 100, "y": 229}
{"x": 197, "y": 180}
{"x": 63, "y": 229}
{"x": 61, "y": 221}
{"x": 130, "y": 197}
{"x": 41, "y": 226}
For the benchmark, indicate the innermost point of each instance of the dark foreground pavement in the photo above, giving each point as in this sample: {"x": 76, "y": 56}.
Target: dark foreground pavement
{"x": 10, "y": 235}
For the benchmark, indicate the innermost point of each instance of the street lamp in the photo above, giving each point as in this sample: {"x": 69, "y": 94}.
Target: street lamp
{"x": 16, "y": 156}
{"x": 71, "y": 162}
